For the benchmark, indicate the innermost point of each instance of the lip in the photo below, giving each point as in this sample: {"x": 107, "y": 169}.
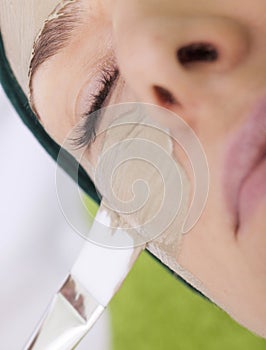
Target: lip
{"x": 245, "y": 151}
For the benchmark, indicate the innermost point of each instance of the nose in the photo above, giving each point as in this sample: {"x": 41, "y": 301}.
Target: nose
{"x": 181, "y": 61}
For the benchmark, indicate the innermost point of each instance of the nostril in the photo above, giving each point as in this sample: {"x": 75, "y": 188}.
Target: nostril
{"x": 164, "y": 96}
{"x": 196, "y": 52}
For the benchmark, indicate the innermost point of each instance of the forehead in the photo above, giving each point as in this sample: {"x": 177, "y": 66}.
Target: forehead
{"x": 22, "y": 19}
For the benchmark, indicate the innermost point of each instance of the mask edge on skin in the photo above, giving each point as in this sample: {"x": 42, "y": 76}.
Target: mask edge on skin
{"x": 20, "y": 23}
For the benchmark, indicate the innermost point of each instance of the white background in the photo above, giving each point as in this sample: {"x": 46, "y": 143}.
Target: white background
{"x": 37, "y": 246}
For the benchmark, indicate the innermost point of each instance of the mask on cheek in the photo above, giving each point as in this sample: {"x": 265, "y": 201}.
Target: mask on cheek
{"x": 141, "y": 162}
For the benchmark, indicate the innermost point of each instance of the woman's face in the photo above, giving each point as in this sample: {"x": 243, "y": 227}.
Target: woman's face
{"x": 205, "y": 61}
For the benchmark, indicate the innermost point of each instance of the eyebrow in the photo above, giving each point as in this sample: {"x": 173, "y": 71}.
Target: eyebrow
{"x": 55, "y": 34}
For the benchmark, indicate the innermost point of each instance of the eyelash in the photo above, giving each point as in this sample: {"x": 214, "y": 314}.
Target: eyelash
{"x": 87, "y": 130}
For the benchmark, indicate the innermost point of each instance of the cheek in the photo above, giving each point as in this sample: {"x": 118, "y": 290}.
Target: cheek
{"x": 136, "y": 172}
{"x": 181, "y": 157}
{"x": 58, "y": 130}
{"x": 52, "y": 108}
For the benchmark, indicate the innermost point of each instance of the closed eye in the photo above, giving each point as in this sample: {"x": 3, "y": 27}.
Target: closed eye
{"x": 86, "y": 131}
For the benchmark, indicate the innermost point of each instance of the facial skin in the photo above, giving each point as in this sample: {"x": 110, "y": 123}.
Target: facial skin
{"x": 215, "y": 98}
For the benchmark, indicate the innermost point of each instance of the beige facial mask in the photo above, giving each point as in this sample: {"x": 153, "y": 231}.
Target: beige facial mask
{"x": 133, "y": 163}
{"x": 20, "y": 22}
{"x": 136, "y": 167}
{"x": 149, "y": 189}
